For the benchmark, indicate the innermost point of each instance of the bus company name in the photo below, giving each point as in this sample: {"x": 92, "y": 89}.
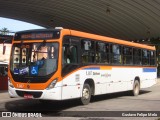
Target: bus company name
{"x": 92, "y": 73}
{"x": 106, "y": 75}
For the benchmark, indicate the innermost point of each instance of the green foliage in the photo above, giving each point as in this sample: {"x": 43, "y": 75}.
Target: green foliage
{"x": 4, "y": 31}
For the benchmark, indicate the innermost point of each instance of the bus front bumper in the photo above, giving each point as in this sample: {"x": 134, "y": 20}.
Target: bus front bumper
{"x": 52, "y": 94}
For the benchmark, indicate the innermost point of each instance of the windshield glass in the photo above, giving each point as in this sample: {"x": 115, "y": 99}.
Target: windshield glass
{"x": 34, "y": 59}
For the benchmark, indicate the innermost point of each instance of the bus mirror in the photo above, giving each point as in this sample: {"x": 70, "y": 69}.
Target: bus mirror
{"x": 4, "y": 49}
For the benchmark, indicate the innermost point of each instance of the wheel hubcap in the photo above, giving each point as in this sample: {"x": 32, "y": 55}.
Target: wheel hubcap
{"x": 85, "y": 93}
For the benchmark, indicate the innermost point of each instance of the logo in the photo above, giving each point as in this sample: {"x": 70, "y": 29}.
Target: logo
{"x": 106, "y": 75}
{"x": 21, "y": 115}
{"x": 6, "y": 114}
{"x": 28, "y": 86}
{"x": 34, "y": 70}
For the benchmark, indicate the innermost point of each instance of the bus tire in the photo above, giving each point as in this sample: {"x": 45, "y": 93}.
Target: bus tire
{"x": 86, "y": 94}
{"x": 136, "y": 88}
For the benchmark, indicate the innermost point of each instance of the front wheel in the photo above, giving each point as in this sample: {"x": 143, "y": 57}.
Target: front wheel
{"x": 136, "y": 88}
{"x": 86, "y": 94}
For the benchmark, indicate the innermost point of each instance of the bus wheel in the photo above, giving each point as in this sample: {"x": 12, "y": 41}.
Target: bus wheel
{"x": 86, "y": 94}
{"x": 136, "y": 88}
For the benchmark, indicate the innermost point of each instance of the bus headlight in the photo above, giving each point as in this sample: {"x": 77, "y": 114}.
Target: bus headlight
{"x": 10, "y": 83}
{"x": 52, "y": 84}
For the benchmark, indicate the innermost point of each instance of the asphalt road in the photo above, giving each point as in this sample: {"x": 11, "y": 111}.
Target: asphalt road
{"x": 100, "y": 107}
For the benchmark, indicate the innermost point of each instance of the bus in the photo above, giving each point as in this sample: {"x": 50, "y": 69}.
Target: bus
{"x": 61, "y": 64}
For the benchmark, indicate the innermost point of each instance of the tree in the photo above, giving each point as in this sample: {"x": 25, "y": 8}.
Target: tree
{"x": 4, "y": 31}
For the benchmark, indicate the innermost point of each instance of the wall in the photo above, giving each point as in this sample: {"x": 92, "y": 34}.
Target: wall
{"x": 6, "y": 56}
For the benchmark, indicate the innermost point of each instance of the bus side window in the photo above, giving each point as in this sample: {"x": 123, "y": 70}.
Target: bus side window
{"x": 145, "y": 57}
{"x": 152, "y": 58}
{"x": 69, "y": 54}
{"x": 116, "y": 54}
{"x": 66, "y": 54}
{"x": 102, "y": 51}
{"x": 127, "y": 55}
{"x": 107, "y": 53}
{"x": 137, "y": 57}
{"x": 73, "y": 54}
{"x": 88, "y": 52}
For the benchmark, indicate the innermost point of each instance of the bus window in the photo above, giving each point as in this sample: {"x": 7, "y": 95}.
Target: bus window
{"x": 69, "y": 54}
{"x": 24, "y": 56}
{"x": 39, "y": 54}
{"x": 73, "y": 51}
{"x": 127, "y": 55}
{"x": 107, "y": 53}
{"x": 152, "y": 58}
{"x": 16, "y": 55}
{"x": 88, "y": 53}
{"x": 35, "y": 58}
{"x": 102, "y": 52}
{"x": 137, "y": 56}
{"x": 116, "y": 54}
{"x": 145, "y": 57}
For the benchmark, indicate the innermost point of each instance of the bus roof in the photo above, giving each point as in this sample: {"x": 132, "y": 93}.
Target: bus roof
{"x": 111, "y": 40}
{"x": 82, "y": 35}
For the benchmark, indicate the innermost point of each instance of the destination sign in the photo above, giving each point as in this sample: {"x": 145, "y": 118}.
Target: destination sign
{"x": 36, "y": 35}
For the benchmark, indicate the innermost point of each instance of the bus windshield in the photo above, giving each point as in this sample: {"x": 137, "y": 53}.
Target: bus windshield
{"x": 34, "y": 59}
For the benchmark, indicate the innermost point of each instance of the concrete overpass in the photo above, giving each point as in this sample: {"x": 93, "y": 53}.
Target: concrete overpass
{"x": 124, "y": 19}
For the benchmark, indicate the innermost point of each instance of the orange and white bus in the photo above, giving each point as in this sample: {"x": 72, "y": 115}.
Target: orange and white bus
{"x": 60, "y": 64}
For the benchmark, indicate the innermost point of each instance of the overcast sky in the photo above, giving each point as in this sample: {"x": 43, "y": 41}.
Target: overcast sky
{"x": 15, "y": 25}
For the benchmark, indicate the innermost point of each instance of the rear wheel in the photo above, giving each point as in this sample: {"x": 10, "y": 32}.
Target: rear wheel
{"x": 136, "y": 88}
{"x": 86, "y": 94}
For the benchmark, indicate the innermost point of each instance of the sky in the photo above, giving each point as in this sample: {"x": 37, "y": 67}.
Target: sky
{"x": 13, "y": 26}
{"x": 16, "y": 25}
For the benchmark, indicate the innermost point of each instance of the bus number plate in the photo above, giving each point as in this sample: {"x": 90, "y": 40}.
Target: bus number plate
{"x": 28, "y": 96}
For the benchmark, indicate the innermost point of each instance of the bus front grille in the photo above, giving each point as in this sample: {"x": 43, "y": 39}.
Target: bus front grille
{"x": 36, "y": 94}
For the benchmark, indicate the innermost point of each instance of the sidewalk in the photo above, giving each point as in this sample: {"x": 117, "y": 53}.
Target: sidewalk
{"x": 3, "y": 91}
{"x": 158, "y": 80}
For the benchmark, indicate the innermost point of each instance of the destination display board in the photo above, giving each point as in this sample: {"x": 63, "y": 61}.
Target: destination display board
{"x": 37, "y": 35}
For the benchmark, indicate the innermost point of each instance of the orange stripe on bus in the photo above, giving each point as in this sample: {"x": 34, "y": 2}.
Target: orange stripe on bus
{"x": 105, "y": 68}
{"x": 111, "y": 40}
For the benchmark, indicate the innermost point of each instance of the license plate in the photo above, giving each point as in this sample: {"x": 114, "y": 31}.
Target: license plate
{"x": 28, "y": 96}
